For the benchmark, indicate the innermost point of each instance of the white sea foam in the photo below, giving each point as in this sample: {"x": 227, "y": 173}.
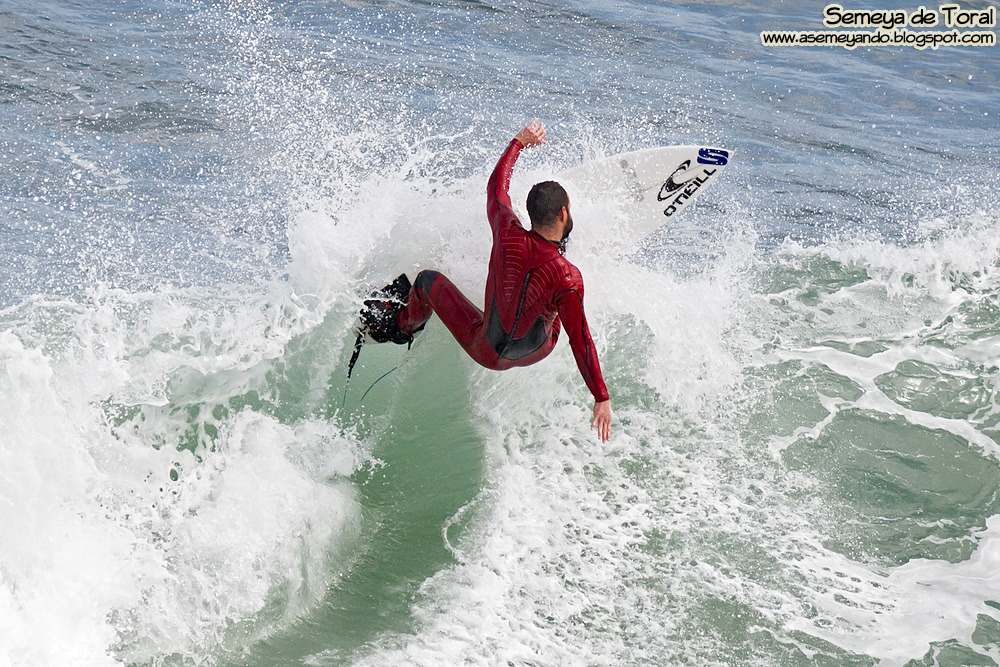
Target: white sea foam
{"x": 914, "y": 297}
{"x": 895, "y": 614}
{"x": 123, "y": 546}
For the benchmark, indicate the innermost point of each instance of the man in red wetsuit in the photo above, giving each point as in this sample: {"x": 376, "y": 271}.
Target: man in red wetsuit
{"x": 531, "y": 291}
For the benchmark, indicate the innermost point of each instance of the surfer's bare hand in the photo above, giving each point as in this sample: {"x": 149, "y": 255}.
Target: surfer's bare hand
{"x": 533, "y": 134}
{"x": 602, "y": 420}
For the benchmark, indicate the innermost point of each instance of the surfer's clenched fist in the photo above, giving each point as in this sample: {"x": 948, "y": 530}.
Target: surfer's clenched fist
{"x": 533, "y": 134}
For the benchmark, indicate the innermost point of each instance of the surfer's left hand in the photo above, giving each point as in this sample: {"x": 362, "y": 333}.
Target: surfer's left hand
{"x": 602, "y": 420}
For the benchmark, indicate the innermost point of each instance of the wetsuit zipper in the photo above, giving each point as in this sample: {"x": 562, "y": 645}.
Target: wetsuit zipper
{"x": 517, "y": 315}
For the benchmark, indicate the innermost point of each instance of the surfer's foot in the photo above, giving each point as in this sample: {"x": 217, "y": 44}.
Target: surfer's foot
{"x": 378, "y": 319}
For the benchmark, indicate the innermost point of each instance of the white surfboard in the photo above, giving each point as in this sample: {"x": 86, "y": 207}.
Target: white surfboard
{"x": 647, "y": 187}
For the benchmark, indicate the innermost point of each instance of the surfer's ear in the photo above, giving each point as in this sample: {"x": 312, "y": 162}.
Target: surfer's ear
{"x": 563, "y": 215}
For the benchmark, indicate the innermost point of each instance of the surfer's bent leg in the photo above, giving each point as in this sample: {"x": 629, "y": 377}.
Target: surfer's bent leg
{"x": 433, "y": 292}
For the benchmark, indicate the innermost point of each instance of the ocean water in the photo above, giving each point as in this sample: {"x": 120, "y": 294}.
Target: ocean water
{"x": 804, "y": 366}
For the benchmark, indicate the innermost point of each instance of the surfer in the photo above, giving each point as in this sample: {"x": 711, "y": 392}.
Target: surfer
{"x": 532, "y": 290}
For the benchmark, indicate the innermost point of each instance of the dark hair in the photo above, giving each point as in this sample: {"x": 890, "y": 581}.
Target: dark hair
{"x": 545, "y": 200}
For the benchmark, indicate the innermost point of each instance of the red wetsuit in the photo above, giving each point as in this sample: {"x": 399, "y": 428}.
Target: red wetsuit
{"x": 531, "y": 291}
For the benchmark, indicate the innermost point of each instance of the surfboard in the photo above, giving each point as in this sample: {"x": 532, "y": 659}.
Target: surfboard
{"x": 648, "y": 188}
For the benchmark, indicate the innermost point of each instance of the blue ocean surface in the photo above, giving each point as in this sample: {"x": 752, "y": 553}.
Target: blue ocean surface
{"x": 197, "y": 196}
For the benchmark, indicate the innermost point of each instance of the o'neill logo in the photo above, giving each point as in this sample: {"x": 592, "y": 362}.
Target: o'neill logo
{"x": 677, "y": 191}
{"x": 670, "y": 186}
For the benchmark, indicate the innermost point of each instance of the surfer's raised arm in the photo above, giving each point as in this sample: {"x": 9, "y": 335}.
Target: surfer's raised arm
{"x": 497, "y": 196}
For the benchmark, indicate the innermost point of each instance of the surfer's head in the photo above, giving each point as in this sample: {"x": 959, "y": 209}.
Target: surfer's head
{"x": 546, "y": 203}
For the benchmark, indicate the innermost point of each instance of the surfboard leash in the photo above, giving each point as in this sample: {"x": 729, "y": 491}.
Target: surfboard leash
{"x": 358, "y": 344}
{"x": 375, "y": 383}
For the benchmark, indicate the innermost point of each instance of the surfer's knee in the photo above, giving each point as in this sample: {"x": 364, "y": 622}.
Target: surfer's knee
{"x": 425, "y": 279}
